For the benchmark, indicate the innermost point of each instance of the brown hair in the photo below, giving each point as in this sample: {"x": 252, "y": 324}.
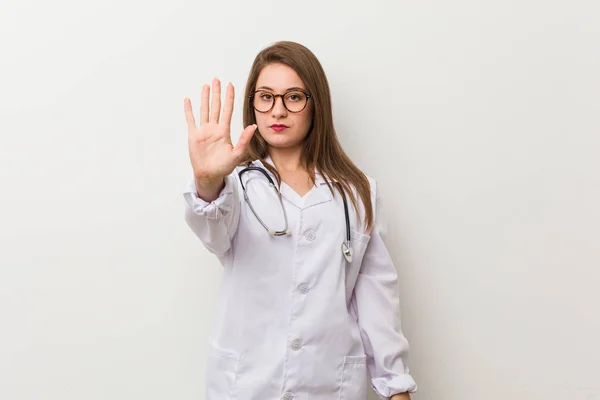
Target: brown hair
{"x": 322, "y": 150}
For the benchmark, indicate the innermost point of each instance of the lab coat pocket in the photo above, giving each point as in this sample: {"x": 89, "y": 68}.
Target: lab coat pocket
{"x": 354, "y": 378}
{"x": 222, "y": 369}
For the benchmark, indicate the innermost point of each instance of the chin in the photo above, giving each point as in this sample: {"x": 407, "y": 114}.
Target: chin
{"x": 281, "y": 141}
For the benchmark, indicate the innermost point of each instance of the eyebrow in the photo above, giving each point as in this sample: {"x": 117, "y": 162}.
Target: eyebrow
{"x": 287, "y": 90}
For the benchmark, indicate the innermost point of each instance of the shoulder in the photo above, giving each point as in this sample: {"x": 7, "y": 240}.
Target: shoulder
{"x": 374, "y": 190}
{"x": 373, "y": 197}
{"x": 372, "y": 183}
{"x": 379, "y": 221}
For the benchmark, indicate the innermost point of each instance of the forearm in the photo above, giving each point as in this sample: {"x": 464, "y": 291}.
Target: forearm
{"x": 401, "y": 396}
{"x": 215, "y": 221}
{"x": 376, "y": 302}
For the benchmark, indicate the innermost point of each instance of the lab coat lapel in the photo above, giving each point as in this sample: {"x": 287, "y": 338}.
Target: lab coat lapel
{"x": 286, "y": 192}
{"x": 317, "y": 195}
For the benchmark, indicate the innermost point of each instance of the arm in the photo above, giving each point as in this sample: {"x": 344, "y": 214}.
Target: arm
{"x": 213, "y": 222}
{"x": 212, "y": 201}
{"x": 376, "y": 302}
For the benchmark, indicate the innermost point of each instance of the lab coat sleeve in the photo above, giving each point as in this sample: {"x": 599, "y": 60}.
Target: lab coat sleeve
{"x": 214, "y": 223}
{"x": 376, "y": 302}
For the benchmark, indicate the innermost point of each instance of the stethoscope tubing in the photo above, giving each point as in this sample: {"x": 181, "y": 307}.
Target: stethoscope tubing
{"x": 346, "y": 246}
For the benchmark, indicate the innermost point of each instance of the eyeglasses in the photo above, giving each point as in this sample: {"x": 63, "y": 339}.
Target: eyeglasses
{"x": 294, "y": 100}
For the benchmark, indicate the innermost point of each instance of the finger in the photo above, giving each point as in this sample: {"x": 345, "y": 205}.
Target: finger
{"x": 204, "y": 111}
{"x": 189, "y": 115}
{"x": 228, "y": 107}
{"x": 240, "y": 148}
{"x": 215, "y": 105}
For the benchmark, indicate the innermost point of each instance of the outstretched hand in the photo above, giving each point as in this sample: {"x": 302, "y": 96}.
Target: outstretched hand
{"x": 212, "y": 154}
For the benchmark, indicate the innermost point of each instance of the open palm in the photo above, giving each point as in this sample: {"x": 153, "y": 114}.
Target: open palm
{"x": 212, "y": 153}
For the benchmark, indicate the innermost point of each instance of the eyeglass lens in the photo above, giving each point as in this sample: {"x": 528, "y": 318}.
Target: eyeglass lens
{"x": 294, "y": 101}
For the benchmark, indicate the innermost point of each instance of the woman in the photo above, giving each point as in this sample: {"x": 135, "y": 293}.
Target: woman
{"x": 304, "y": 313}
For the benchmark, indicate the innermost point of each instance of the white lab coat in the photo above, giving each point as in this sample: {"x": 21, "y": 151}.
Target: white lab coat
{"x": 294, "y": 319}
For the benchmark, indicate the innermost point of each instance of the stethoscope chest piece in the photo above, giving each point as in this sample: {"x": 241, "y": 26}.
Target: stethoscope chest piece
{"x": 347, "y": 251}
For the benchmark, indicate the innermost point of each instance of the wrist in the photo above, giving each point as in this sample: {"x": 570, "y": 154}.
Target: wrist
{"x": 208, "y": 189}
{"x": 401, "y": 396}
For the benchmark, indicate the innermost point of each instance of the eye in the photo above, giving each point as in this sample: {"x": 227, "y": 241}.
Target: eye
{"x": 295, "y": 96}
{"x": 265, "y": 96}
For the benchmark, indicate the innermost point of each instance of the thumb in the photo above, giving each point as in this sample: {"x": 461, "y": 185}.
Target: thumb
{"x": 240, "y": 148}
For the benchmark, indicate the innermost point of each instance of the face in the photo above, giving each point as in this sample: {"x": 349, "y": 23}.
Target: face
{"x": 280, "y": 127}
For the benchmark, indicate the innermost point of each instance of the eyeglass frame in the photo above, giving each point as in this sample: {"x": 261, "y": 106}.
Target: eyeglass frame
{"x": 275, "y": 96}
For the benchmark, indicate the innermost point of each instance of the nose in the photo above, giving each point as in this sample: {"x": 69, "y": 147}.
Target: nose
{"x": 278, "y": 110}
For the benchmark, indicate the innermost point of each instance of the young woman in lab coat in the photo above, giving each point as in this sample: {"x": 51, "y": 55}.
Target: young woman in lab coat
{"x": 296, "y": 319}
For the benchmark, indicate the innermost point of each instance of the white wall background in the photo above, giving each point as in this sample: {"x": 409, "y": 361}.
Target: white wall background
{"x": 479, "y": 119}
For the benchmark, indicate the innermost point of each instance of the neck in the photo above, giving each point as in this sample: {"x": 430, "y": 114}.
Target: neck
{"x": 286, "y": 159}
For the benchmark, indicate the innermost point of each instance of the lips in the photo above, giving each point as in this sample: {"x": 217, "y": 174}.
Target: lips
{"x": 279, "y": 127}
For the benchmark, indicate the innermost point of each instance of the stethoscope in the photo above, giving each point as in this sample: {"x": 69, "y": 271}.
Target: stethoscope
{"x": 346, "y": 245}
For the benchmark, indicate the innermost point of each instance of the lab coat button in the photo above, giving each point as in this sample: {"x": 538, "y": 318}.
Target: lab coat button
{"x": 310, "y": 236}
{"x": 287, "y": 396}
{"x": 303, "y": 288}
{"x": 296, "y": 345}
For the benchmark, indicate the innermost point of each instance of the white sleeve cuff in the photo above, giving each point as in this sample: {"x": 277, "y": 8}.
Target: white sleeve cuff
{"x": 216, "y": 209}
{"x": 386, "y": 387}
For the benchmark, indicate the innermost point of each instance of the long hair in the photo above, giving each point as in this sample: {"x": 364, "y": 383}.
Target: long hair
{"x": 321, "y": 150}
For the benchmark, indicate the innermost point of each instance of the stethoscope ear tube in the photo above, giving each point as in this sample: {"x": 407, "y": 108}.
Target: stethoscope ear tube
{"x": 286, "y": 231}
{"x": 272, "y": 232}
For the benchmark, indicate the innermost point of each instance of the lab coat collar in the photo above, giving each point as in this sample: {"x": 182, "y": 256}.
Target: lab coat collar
{"x": 323, "y": 179}
{"x": 319, "y": 194}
